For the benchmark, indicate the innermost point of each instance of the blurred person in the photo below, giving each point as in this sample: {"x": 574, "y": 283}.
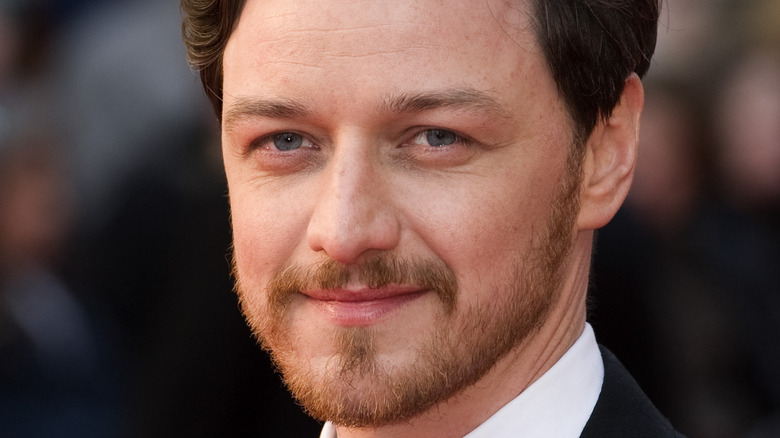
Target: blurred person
{"x": 413, "y": 214}
{"x": 686, "y": 33}
{"x": 697, "y": 241}
{"x": 669, "y": 181}
{"x": 748, "y": 116}
{"x": 9, "y": 47}
{"x": 660, "y": 249}
{"x": 6, "y": 48}
{"x": 49, "y": 367}
{"x": 126, "y": 110}
{"x": 747, "y": 120}
{"x": 118, "y": 100}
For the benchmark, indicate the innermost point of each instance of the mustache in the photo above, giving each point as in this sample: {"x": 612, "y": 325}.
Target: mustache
{"x": 375, "y": 273}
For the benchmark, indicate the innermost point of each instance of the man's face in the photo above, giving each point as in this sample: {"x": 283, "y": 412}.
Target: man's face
{"x": 399, "y": 194}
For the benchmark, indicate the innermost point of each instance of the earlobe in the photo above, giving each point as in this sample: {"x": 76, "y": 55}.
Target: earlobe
{"x": 610, "y": 155}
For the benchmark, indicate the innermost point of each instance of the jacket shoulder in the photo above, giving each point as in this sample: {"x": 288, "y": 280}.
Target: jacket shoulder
{"x": 623, "y": 409}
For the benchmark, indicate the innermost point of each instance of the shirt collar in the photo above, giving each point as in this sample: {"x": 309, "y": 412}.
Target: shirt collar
{"x": 559, "y": 403}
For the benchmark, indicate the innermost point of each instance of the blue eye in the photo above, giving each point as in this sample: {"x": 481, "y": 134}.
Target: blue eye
{"x": 287, "y": 141}
{"x": 440, "y": 137}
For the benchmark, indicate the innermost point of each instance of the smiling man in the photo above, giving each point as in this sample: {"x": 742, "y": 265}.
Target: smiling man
{"x": 414, "y": 187}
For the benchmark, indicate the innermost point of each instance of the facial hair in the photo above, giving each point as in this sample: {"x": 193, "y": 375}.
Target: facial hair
{"x": 358, "y": 390}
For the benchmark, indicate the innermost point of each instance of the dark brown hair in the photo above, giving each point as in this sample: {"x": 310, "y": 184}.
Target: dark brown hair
{"x": 591, "y": 47}
{"x": 206, "y": 28}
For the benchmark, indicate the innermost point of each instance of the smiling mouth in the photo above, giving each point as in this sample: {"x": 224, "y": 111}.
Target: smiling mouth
{"x": 362, "y": 307}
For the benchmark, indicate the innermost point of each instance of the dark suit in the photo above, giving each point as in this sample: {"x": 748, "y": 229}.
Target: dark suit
{"x": 623, "y": 410}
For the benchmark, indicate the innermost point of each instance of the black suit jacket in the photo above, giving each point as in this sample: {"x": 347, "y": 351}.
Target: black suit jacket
{"x": 623, "y": 410}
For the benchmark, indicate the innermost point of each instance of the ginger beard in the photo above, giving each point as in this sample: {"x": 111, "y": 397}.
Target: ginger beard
{"x": 358, "y": 390}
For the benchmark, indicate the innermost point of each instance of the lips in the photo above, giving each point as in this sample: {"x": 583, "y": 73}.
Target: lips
{"x": 361, "y": 307}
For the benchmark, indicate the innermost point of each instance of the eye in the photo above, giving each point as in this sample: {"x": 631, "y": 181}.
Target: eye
{"x": 280, "y": 152}
{"x": 288, "y": 141}
{"x": 437, "y": 137}
{"x": 282, "y": 142}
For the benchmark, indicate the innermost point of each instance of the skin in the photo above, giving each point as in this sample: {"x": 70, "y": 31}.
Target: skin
{"x": 366, "y": 182}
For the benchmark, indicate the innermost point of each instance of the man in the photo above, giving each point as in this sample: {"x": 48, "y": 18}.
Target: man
{"x": 414, "y": 188}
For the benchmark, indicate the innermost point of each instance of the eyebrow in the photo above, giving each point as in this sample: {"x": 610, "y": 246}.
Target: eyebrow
{"x": 401, "y": 103}
{"x": 245, "y": 108}
{"x": 458, "y": 98}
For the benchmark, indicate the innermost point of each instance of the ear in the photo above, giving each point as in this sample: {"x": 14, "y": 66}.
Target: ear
{"x": 610, "y": 156}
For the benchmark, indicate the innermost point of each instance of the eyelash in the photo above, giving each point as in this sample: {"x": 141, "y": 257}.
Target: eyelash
{"x": 265, "y": 142}
{"x": 458, "y": 140}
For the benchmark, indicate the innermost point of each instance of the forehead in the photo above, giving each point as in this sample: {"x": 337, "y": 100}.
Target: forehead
{"x": 379, "y": 44}
{"x": 397, "y": 22}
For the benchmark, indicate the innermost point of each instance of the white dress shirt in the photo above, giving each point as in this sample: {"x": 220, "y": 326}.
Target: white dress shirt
{"x": 557, "y": 405}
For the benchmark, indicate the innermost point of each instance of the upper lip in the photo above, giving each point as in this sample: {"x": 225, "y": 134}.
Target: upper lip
{"x": 360, "y": 294}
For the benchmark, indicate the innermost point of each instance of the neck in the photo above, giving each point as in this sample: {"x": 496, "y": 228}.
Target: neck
{"x": 511, "y": 375}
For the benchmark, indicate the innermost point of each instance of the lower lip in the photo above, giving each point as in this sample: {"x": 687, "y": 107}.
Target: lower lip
{"x": 363, "y": 313}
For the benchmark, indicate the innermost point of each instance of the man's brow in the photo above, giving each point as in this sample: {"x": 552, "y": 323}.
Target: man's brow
{"x": 400, "y": 103}
{"x": 459, "y": 98}
{"x": 244, "y": 108}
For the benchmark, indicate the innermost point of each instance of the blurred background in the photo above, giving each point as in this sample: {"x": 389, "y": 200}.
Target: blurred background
{"x": 116, "y": 312}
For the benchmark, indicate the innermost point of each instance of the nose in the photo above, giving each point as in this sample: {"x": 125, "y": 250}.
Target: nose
{"x": 353, "y": 216}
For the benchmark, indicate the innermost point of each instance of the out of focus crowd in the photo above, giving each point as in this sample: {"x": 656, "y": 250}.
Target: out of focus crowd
{"x": 117, "y": 317}
{"x": 686, "y": 282}
{"x": 116, "y": 311}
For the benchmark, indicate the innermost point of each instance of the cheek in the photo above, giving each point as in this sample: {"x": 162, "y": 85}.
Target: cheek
{"x": 483, "y": 226}
{"x": 266, "y": 232}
